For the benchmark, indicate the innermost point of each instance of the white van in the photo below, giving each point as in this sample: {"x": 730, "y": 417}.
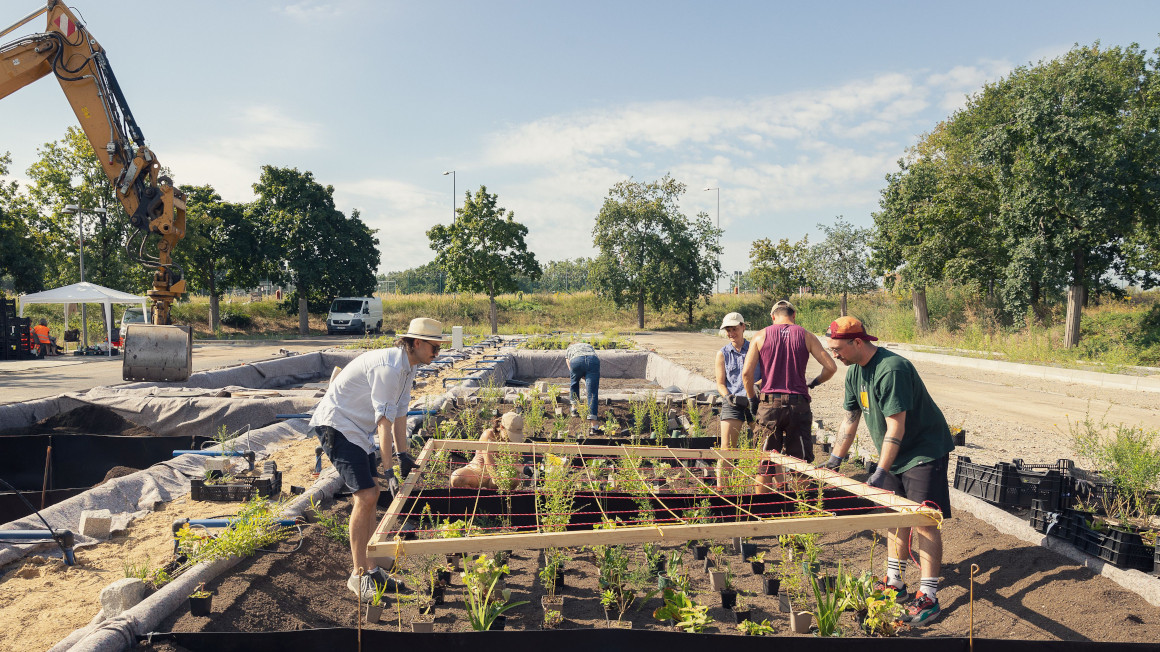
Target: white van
{"x": 132, "y": 316}
{"x": 355, "y": 315}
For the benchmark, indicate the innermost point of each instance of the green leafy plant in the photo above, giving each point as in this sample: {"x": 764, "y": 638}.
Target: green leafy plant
{"x": 335, "y": 527}
{"x": 683, "y": 611}
{"x": 255, "y": 526}
{"x": 552, "y": 619}
{"x": 484, "y": 603}
{"x": 549, "y": 573}
{"x": 757, "y": 558}
{"x": 1129, "y": 457}
{"x": 380, "y": 591}
{"x": 449, "y": 529}
{"x": 855, "y": 590}
{"x": 828, "y": 609}
{"x": 140, "y": 571}
{"x": 755, "y": 629}
{"x": 883, "y": 614}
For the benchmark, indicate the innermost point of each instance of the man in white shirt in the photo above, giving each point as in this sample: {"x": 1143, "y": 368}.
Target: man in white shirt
{"x": 366, "y": 402}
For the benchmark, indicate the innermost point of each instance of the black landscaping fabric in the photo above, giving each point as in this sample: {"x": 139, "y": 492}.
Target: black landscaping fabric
{"x": 589, "y": 640}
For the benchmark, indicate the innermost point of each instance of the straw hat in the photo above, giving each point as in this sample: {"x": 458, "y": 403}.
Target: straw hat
{"x": 513, "y": 425}
{"x": 422, "y": 328}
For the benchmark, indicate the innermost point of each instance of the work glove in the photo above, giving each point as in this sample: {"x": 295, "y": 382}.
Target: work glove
{"x": 882, "y": 479}
{"x": 406, "y": 463}
{"x": 832, "y": 464}
{"x": 730, "y": 399}
{"x": 741, "y": 402}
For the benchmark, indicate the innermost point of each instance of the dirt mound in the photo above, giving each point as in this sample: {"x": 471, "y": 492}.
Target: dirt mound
{"x": 117, "y": 472}
{"x": 87, "y": 419}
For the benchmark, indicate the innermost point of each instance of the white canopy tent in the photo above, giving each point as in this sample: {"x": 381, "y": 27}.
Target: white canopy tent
{"x": 85, "y": 293}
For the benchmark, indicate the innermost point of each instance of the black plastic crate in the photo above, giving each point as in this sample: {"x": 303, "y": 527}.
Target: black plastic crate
{"x": 1060, "y": 524}
{"x": 1127, "y": 550}
{"x": 995, "y": 484}
{"x": 1156, "y": 561}
{"x": 238, "y": 490}
{"x": 1089, "y": 540}
{"x": 1050, "y": 482}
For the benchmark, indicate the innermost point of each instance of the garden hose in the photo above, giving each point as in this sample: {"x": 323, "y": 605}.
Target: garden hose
{"x": 65, "y": 549}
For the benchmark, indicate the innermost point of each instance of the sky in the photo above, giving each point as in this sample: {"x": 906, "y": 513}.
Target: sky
{"x": 794, "y": 111}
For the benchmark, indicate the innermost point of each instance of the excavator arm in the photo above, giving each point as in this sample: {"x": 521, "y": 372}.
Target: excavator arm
{"x": 156, "y": 209}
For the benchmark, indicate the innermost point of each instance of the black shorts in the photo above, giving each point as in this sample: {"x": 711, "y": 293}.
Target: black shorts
{"x": 357, "y": 467}
{"x": 740, "y": 412}
{"x": 928, "y": 483}
{"x": 787, "y": 423}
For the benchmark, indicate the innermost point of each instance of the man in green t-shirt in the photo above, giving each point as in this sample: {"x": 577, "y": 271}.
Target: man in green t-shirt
{"x": 913, "y": 443}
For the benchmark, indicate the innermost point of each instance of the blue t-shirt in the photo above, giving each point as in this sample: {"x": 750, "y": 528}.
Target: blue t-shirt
{"x": 734, "y": 363}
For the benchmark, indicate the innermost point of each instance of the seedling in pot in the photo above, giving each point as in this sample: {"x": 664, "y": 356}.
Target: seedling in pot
{"x": 756, "y": 629}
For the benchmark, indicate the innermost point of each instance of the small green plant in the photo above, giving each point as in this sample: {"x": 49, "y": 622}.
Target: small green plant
{"x": 883, "y": 614}
{"x": 759, "y": 558}
{"x": 696, "y": 419}
{"x": 200, "y": 591}
{"x": 380, "y": 591}
{"x": 335, "y": 527}
{"x": 484, "y": 603}
{"x": 140, "y": 571}
{"x": 552, "y": 619}
{"x": 1129, "y": 457}
{"x": 756, "y": 629}
{"x": 683, "y": 611}
{"x": 717, "y": 554}
{"x": 855, "y": 590}
{"x": 549, "y": 574}
{"x": 449, "y": 529}
{"x": 828, "y": 609}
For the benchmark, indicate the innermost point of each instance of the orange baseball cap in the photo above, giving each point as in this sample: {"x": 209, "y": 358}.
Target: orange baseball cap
{"x": 848, "y": 328}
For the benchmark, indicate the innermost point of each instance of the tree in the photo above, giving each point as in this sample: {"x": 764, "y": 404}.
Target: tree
{"x": 483, "y": 249}
{"x": 68, "y": 172}
{"x": 325, "y": 253}
{"x": 650, "y": 253}
{"x": 695, "y": 264}
{"x": 22, "y": 248}
{"x": 222, "y": 247}
{"x": 1076, "y": 165}
{"x": 779, "y": 269}
{"x": 841, "y": 261}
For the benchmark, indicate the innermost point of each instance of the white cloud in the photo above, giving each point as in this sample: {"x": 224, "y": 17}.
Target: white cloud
{"x": 308, "y": 12}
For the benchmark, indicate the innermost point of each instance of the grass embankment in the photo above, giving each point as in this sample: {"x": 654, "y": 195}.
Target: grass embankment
{"x": 1118, "y": 333}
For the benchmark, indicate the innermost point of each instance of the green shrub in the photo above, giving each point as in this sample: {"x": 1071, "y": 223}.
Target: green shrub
{"x": 236, "y": 320}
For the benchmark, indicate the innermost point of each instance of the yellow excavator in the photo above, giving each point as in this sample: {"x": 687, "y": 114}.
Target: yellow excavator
{"x": 157, "y": 351}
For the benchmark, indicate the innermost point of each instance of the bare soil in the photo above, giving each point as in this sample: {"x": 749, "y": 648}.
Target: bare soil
{"x": 1021, "y": 592}
{"x": 87, "y": 419}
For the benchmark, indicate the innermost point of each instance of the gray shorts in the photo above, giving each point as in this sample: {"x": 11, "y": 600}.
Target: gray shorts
{"x": 357, "y": 467}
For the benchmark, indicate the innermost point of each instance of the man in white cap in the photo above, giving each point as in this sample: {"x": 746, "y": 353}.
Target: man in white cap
{"x": 364, "y": 405}
{"x": 735, "y": 408}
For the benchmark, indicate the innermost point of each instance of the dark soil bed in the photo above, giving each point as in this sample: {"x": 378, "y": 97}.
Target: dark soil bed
{"x": 88, "y": 419}
{"x": 1021, "y": 592}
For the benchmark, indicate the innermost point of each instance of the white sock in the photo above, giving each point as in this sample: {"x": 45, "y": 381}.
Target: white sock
{"x": 929, "y": 587}
{"x": 895, "y": 568}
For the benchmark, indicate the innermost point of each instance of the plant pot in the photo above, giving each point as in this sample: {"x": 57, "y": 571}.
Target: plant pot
{"x": 758, "y": 567}
{"x": 800, "y": 621}
{"x": 560, "y": 579}
{"x": 620, "y": 624}
{"x": 437, "y": 594}
{"x": 960, "y": 437}
{"x": 708, "y": 565}
{"x": 748, "y": 550}
{"x": 717, "y": 580}
{"x": 771, "y": 584}
{"x": 445, "y": 577}
{"x": 658, "y": 566}
{"x": 552, "y": 603}
{"x": 728, "y": 599}
{"x": 699, "y": 552}
{"x": 498, "y": 624}
{"x": 663, "y": 582}
{"x": 783, "y": 603}
{"x": 741, "y": 615}
{"x": 423, "y": 625}
{"x": 200, "y": 606}
{"x": 373, "y": 613}
{"x": 736, "y": 544}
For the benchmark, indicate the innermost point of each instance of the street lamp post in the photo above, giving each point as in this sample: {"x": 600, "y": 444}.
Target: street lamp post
{"x": 75, "y": 209}
{"x": 718, "y": 228}
{"x": 453, "y": 199}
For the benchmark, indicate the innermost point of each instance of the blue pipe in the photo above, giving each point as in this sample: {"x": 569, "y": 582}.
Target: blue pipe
{"x": 291, "y": 416}
{"x": 415, "y": 413}
{"x": 64, "y": 537}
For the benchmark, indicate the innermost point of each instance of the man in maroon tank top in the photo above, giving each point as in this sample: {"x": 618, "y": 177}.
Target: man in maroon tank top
{"x": 783, "y": 412}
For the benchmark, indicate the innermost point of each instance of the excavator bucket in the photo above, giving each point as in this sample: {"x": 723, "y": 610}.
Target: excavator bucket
{"x": 158, "y": 353}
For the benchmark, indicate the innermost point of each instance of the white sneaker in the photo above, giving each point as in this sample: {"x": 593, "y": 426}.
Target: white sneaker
{"x": 362, "y": 585}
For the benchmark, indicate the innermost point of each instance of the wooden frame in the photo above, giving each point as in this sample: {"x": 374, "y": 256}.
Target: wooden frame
{"x": 903, "y": 512}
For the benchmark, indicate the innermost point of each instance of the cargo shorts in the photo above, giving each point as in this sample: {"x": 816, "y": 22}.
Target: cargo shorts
{"x": 786, "y": 420}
